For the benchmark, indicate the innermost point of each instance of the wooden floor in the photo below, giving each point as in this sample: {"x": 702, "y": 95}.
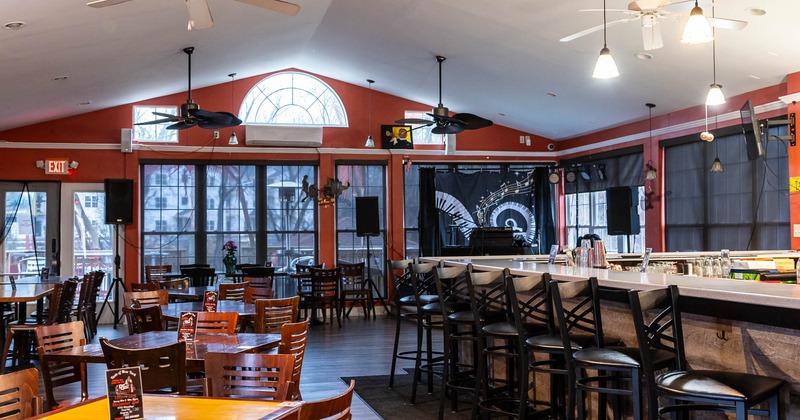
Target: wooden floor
{"x": 358, "y": 348}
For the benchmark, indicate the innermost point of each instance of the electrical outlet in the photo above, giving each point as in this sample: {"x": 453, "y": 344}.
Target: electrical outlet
{"x": 216, "y": 134}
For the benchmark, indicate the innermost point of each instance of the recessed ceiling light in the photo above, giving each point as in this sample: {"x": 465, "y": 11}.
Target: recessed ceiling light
{"x": 60, "y": 78}
{"x": 85, "y": 103}
{"x": 13, "y": 26}
{"x": 644, "y": 56}
{"x": 501, "y": 114}
{"x": 551, "y": 94}
{"x": 752, "y": 76}
{"x": 755, "y": 11}
{"x": 774, "y": 54}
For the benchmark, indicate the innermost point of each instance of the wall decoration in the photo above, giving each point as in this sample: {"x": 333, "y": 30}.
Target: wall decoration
{"x": 396, "y": 137}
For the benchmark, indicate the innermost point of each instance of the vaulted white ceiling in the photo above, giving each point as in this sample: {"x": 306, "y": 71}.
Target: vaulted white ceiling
{"x": 504, "y": 58}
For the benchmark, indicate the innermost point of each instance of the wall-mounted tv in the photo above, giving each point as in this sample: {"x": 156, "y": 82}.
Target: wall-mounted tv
{"x": 751, "y": 131}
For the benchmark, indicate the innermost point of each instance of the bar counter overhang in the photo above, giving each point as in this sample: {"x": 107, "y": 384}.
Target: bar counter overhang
{"x": 741, "y": 325}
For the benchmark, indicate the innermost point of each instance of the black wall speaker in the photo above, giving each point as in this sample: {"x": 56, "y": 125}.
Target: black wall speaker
{"x": 119, "y": 201}
{"x": 621, "y": 211}
{"x": 367, "y": 221}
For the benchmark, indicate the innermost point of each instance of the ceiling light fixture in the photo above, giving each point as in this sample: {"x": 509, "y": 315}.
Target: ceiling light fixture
{"x": 698, "y": 29}
{"x": 370, "y": 142}
{"x": 14, "y": 26}
{"x": 232, "y": 140}
{"x": 605, "y": 68}
{"x": 715, "y": 96}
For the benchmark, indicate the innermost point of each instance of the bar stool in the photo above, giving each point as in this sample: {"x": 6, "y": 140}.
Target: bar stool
{"x": 657, "y": 320}
{"x": 411, "y": 284}
{"x": 528, "y": 299}
{"x": 580, "y": 326}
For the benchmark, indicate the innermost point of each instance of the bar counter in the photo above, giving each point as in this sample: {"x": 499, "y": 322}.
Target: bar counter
{"x": 739, "y": 325}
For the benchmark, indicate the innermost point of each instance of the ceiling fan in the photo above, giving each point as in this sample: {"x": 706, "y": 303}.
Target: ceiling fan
{"x": 200, "y": 15}
{"x": 650, "y": 12}
{"x": 191, "y": 115}
{"x": 445, "y": 124}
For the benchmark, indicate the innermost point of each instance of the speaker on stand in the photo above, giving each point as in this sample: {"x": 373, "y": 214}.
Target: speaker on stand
{"x": 368, "y": 225}
{"x": 119, "y": 211}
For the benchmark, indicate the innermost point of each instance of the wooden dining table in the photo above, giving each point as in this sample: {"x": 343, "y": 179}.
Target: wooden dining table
{"x": 172, "y": 312}
{"x": 24, "y": 293}
{"x": 186, "y": 407}
{"x": 195, "y": 350}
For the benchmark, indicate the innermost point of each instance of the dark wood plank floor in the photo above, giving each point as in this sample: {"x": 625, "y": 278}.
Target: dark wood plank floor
{"x": 359, "y": 348}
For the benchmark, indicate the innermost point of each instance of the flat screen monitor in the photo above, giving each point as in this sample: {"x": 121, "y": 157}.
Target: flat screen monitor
{"x": 751, "y": 131}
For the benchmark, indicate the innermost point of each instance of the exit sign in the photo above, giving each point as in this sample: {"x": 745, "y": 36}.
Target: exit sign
{"x": 56, "y": 167}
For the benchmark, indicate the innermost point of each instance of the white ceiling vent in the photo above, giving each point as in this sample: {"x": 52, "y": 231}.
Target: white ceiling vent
{"x": 283, "y": 135}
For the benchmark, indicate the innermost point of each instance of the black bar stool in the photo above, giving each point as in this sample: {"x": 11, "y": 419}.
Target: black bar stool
{"x": 657, "y": 320}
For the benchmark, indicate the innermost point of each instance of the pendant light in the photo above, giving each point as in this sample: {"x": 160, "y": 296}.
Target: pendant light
{"x": 650, "y": 174}
{"x": 697, "y": 29}
{"x": 232, "y": 140}
{"x": 605, "y": 68}
{"x": 370, "y": 142}
{"x": 716, "y": 166}
{"x": 715, "y": 96}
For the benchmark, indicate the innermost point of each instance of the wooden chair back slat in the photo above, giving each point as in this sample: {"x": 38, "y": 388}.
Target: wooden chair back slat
{"x": 334, "y": 408}
{"x": 272, "y": 314}
{"x": 19, "y": 394}
{"x": 261, "y": 376}
{"x": 217, "y": 322}
{"x": 57, "y": 337}
{"x": 162, "y": 367}
{"x": 294, "y": 336}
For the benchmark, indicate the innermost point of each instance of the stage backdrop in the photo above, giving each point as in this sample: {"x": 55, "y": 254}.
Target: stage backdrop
{"x": 464, "y": 202}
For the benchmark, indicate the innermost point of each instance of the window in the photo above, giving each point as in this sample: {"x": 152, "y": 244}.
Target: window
{"x": 219, "y": 203}
{"x": 90, "y": 201}
{"x": 744, "y": 207}
{"x": 365, "y": 181}
{"x": 153, "y": 133}
{"x": 293, "y": 98}
{"x": 586, "y": 213}
{"x": 424, "y": 135}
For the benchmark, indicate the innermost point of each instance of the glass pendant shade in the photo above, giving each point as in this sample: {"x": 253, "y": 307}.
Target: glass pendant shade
{"x": 715, "y": 96}
{"x": 370, "y": 142}
{"x": 233, "y": 140}
{"x": 606, "y": 67}
{"x": 650, "y": 175}
{"x": 716, "y": 166}
{"x": 698, "y": 29}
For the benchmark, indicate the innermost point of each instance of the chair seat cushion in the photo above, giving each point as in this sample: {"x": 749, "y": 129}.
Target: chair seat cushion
{"x": 509, "y": 329}
{"x": 578, "y": 341}
{"x": 411, "y": 300}
{"x": 467, "y": 317}
{"x": 727, "y": 386}
{"x": 621, "y": 357}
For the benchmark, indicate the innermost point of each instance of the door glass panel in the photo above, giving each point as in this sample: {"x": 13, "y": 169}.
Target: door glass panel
{"x": 24, "y": 232}
{"x": 93, "y": 240}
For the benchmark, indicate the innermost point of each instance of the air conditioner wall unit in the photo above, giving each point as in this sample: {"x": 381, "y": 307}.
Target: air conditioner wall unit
{"x": 283, "y": 135}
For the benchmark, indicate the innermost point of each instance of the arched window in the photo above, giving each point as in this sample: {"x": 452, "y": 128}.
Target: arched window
{"x": 293, "y": 98}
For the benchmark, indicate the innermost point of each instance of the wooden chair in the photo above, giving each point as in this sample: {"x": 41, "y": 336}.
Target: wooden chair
{"x": 142, "y": 320}
{"x": 303, "y": 273}
{"x": 354, "y": 289}
{"x": 217, "y": 322}
{"x": 294, "y": 336}
{"x": 200, "y": 276}
{"x": 260, "y": 376}
{"x": 91, "y": 308}
{"x": 240, "y": 267}
{"x": 325, "y": 293}
{"x": 334, "y": 408}
{"x": 61, "y": 300}
{"x": 158, "y": 297}
{"x": 154, "y": 273}
{"x": 144, "y": 287}
{"x": 233, "y": 291}
{"x": 162, "y": 367}
{"x": 19, "y": 394}
{"x": 261, "y": 280}
{"x": 79, "y": 310}
{"x": 256, "y": 271}
{"x": 61, "y": 337}
{"x": 272, "y": 314}
{"x": 189, "y": 266}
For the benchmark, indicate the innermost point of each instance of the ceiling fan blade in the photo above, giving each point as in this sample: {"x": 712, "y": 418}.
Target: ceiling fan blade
{"x": 594, "y": 29}
{"x": 723, "y": 23}
{"x": 640, "y": 5}
{"x": 472, "y": 121}
{"x": 208, "y": 119}
{"x": 161, "y": 121}
{"x": 447, "y": 129}
{"x": 680, "y": 6}
{"x": 652, "y": 37}
{"x": 414, "y": 121}
{"x": 199, "y": 14}
{"x": 182, "y": 125}
{"x": 161, "y": 114}
{"x": 104, "y": 3}
{"x": 607, "y": 10}
{"x": 446, "y": 119}
{"x": 279, "y": 6}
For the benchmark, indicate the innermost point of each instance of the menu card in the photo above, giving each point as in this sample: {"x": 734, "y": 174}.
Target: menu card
{"x": 210, "y": 301}
{"x": 187, "y": 326}
{"x": 125, "y": 393}
{"x": 553, "y": 252}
